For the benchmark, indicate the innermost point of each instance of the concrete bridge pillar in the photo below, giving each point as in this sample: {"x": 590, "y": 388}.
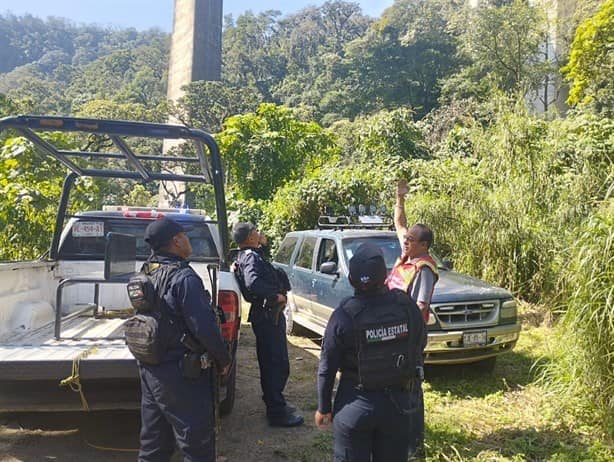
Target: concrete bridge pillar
{"x": 196, "y": 54}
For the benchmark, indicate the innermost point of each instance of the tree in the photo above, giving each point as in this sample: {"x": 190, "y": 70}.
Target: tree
{"x": 502, "y": 44}
{"x": 30, "y": 187}
{"x": 7, "y": 106}
{"x": 251, "y": 55}
{"x": 263, "y": 150}
{"x": 400, "y": 60}
{"x": 312, "y": 41}
{"x": 591, "y": 62}
{"x": 386, "y": 136}
{"x": 40, "y": 95}
{"x": 207, "y": 105}
{"x": 299, "y": 203}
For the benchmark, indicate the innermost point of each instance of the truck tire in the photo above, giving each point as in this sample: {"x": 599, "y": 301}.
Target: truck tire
{"x": 228, "y": 403}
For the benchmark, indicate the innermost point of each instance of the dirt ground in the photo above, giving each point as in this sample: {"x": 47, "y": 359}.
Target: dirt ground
{"x": 244, "y": 435}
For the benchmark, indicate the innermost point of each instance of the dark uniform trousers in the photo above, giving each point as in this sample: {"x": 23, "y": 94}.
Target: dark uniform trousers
{"x": 416, "y": 434}
{"x": 371, "y": 423}
{"x": 168, "y": 398}
{"x": 272, "y": 351}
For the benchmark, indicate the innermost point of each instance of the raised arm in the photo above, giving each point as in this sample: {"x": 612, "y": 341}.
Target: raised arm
{"x": 400, "y": 220}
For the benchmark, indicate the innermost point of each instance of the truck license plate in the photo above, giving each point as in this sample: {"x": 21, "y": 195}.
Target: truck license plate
{"x": 88, "y": 229}
{"x": 474, "y": 338}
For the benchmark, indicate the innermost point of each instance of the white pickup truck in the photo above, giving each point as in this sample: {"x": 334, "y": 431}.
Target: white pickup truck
{"x": 61, "y": 339}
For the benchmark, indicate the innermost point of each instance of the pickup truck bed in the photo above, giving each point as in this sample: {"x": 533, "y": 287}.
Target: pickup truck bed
{"x": 35, "y": 362}
{"x": 81, "y": 333}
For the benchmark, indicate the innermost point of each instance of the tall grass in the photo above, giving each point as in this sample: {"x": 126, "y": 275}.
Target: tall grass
{"x": 509, "y": 201}
{"x": 583, "y": 375}
{"x": 527, "y": 204}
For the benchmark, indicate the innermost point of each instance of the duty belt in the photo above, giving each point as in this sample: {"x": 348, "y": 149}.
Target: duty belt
{"x": 353, "y": 375}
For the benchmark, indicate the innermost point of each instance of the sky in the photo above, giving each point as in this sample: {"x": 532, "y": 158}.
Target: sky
{"x": 143, "y": 14}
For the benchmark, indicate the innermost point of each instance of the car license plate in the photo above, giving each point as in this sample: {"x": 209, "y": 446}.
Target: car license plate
{"x": 474, "y": 338}
{"x": 88, "y": 229}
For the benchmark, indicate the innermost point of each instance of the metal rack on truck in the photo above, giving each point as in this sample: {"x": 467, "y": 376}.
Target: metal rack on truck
{"x": 61, "y": 316}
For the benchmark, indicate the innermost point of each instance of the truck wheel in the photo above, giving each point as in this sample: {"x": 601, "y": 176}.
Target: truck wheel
{"x": 487, "y": 365}
{"x": 228, "y": 403}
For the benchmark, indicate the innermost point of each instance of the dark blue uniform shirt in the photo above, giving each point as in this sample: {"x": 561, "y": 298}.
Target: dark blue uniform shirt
{"x": 259, "y": 275}
{"x": 338, "y": 340}
{"x": 188, "y": 299}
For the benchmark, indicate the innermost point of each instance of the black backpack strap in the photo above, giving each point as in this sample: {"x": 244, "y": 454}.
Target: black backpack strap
{"x": 169, "y": 271}
{"x": 353, "y": 307}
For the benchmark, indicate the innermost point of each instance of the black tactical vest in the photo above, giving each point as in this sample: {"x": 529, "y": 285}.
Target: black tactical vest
{"x": 385, "y": 339}
{"x": 154, "y": 328}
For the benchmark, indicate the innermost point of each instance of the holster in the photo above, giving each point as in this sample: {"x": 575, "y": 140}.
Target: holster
{"x": 274, "y": 310}
{"x": 195, "y": 359}
{"x": 190, "y": 365}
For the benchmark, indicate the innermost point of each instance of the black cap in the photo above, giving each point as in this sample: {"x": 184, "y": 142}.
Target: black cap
{"x": 160, "y": 232}
{"x": 241, "y": 231}
{"x": 368, "y": 267}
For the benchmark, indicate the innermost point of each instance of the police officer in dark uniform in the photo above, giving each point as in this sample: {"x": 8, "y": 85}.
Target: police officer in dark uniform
{"x": 265, "y": 288}
{"x": 373, "y": 339}
{"x": 174, "y": 407}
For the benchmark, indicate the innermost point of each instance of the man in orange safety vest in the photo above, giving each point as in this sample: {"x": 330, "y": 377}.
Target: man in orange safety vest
{"x": 415, "y": 272}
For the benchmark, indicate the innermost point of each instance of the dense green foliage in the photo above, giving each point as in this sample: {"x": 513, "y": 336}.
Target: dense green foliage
{"x": 582, "y": 374}
{"x": 591, "y": 62}
{"x": 30, "y": 186}
{"x": 263, "y": 150}
{"x": 505, "y": 204}
{"x": 328, "y": 107}
{"x": 503, "y": 44}
{"x": 54, "y": 66}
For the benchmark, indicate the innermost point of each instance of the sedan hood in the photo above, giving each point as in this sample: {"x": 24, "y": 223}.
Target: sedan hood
{"x": 456, "y": 287}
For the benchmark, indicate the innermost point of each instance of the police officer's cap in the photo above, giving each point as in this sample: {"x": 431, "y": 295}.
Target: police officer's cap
{"x": 368, "y": 267}
{"x": 241, "y": 231}
{"x": 160, "y": 232}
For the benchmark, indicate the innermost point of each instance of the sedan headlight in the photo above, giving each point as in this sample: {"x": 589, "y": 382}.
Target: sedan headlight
{"x": 509, "y": 311}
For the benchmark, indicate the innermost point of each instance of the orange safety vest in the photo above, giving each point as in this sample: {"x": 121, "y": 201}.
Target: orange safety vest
{"x": 404, "y": 272}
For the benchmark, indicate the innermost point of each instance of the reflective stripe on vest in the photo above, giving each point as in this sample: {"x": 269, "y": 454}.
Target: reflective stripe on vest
{"x": 404, "y": 272}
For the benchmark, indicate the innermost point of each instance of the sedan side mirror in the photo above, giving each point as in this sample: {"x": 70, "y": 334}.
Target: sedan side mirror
{"x": 330, "y": 267}
{"x": 448, "y": 263}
